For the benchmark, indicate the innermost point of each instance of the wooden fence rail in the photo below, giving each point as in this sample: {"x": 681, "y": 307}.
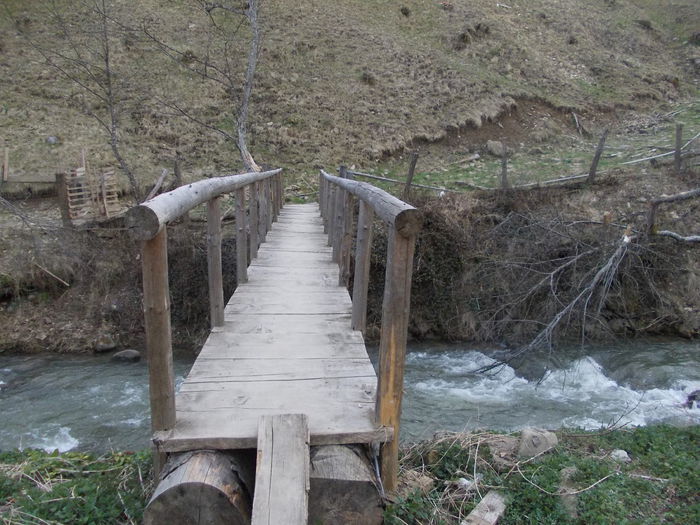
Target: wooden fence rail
{"x": 403, "y": 221}
{"x": 148, "y": 221}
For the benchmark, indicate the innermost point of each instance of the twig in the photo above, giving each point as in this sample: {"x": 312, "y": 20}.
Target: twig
{"x": 668, "y": 154}
{"x": 157, "y": 185}
{"x": 52, "y": 274}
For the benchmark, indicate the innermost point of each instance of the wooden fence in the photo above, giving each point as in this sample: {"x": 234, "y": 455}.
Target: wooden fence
{"x": 259, "y": 194}
{"x": 336, "y": 196}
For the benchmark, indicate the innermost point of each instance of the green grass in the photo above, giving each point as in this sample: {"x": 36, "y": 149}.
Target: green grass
{"x": 50, "y": 488}
{"x": 660, "y": 485}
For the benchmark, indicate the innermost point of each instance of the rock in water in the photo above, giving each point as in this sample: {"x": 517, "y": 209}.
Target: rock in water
{"x": 534, "y": 442}
{"x": 127, "y": 356}
{"x": 105, "y": 343}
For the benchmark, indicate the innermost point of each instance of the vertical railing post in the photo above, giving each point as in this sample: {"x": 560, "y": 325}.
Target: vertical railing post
{"x": 392, "y": 348}
{"x": 241, "y": 238}
{"x": 156, "y": 309}
{"x": 216, "y": 282}
{"x": 346, "y": 240}
{"x": 253, "y": 217}
{"x": 332, "y": 190}
{"x": 339, "y": 222}
{"x": 363, "y": 254}
{"x": 270, "y": 206}
{"x": 262, "y": 211}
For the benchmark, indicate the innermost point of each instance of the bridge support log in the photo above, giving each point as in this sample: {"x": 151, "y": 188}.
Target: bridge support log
{"x": 204, "y": 486}
{"x": 343, "y": 487}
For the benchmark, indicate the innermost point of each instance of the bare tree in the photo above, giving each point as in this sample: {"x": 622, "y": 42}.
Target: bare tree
{"x": 83, "y": 53}
{"x": 217, "y": 64}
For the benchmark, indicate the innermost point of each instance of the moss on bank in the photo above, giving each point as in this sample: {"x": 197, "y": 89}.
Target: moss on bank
{"x": 661, "y": 483}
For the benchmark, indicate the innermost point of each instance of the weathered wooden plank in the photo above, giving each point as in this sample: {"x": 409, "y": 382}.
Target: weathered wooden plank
{"x": 287, "y": 368}
{"x": 282, "y": 473}
{"x": 488, "y": 511}
{"x": 363, "y": 256}
{"x": 216, "y": 282}
{"x": 306, "y": 304}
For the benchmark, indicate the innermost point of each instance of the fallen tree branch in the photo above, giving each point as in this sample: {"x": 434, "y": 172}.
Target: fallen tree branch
{"x": 678, "y": 237}
{"x": 637, "y": 161}
{"x": 654, "y": 204}
{"x": 157, "y": 185}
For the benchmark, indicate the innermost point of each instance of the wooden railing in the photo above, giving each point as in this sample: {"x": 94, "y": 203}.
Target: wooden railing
{"x": 148, "y": 221}
{"x": 336, "y": 196}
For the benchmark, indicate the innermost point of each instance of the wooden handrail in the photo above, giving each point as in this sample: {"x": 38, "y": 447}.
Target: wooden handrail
{"x": 147, "y": 222}
{"x": 149, "y": 218}
{"x": 404, "y": 217}
{"x": 404, "y": 222}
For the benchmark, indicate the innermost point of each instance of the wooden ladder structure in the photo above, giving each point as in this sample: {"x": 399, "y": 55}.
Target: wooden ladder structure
{"x": 285, "y": 367}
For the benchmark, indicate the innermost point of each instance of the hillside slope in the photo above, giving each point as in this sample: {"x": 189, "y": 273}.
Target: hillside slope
{"x": 350, "y": 81}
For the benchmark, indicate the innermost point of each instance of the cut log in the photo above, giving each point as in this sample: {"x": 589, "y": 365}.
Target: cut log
{"x": 343, "y": 487}
{"x": 204, "y": 486}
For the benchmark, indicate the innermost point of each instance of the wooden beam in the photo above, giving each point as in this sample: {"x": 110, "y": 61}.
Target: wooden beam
{"x": 392, "y": 348}
{"x": 215, "y": 274}
{"x": 488, "y": 511}
{"x": 241, "y": 238}
{"x": 363, "y": 255}
{"x": 148, "y": 218}
{"x": 6, "y": 165}
{"x": 156, "y": 304}
{"x": 346, "y": 240}
{"x": 282, "y": 473}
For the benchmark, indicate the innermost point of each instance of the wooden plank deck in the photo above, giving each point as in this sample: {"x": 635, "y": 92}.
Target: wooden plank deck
{"x": 286, "y": 347}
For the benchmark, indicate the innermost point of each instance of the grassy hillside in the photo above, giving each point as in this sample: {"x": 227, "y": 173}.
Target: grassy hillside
{"x": 353, "y": 82}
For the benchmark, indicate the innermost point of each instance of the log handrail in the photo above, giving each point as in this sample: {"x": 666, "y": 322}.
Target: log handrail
{"x": 147, "y": 219}
{"x": 404, "y": 222}
{"x": 147, "y": 222}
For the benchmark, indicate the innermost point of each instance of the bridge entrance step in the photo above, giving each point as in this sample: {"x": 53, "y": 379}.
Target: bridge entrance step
{"x": 282, "y": 473}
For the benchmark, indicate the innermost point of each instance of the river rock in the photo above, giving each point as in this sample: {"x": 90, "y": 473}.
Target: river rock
{"x": 534, "y": 442}
{"x": 620, "y": 456}
{"x": 127, "y": 356}
{"x": 105, "y": 343}
{"x": 495, "y": 148}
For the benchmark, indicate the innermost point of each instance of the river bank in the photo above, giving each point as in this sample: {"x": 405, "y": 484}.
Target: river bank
{"x": 437, "y": 481}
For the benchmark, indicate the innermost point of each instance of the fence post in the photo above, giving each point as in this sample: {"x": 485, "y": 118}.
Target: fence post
{"x": 679, "y": 146}
{"x": 411, "y": 172}
{"x": 363, "y": 254}
{"x": 596, "y": 157}
{"x": 62, "y": 194}
{"x": 6, "y": 165}
{"x": 241, "y": 238}
{"x": 156, "y": 306}
{"x": 216, "y": 286}
{"x": 392, "y": 347}
{"x": 504, "y": 169}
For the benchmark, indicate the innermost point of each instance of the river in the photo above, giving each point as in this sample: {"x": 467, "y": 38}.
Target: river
{"x": 89, "y": 403}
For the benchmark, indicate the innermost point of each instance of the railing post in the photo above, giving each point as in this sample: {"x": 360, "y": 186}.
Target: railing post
{"x": 262, "y": 211}
{"x": 280, "y": 192}
{"x": 253, "y": 216}
{"x": 156, "y": 309}
{"x": 270, "y": 206}
{"x": 392, "y": 348}
{"x": 241, "y": 238}
{"x": 363, "y": 255}
{"x": 216, "y": 286}
{"x": 332, "y": 190}
{"x": 339, "y": 223}
{"x": 346, "y": 240}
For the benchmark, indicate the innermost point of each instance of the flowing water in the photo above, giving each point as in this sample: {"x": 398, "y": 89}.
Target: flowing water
{"x": 90, "y": 403}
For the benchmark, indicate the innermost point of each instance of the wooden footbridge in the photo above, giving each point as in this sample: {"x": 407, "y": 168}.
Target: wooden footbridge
{"x": 285, "y": 367}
